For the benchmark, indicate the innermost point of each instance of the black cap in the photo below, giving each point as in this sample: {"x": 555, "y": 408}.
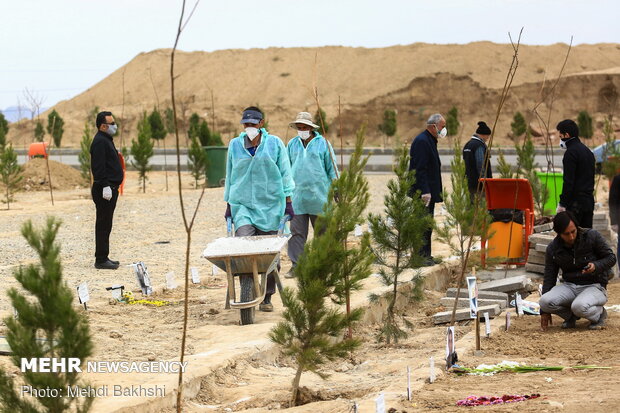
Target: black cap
{"x": 483, "y": 129}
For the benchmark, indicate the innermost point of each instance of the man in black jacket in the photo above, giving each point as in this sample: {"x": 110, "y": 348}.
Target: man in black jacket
{"x": 107, "y": 176}
{"x": 427, "y": 166}
{"x": 586, "y": 262}
{"x": 476, "y": 160}
{"x": 579, "y": 164}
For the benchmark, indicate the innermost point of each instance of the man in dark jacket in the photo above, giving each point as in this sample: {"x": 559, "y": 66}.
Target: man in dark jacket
{"x": 614, "y": 207}
{"x": 476, "y": 159}
{"x": 427, "y": 166}
{"x": 586, "y": 262}
{"x": 579, "y": 164}
{"x": 107, "y": 176}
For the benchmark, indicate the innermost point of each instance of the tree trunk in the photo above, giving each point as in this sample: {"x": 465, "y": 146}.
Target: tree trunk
{"x": 296, "y": 385}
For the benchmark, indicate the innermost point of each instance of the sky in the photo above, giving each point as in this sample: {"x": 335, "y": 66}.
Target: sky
{"x": 57, "y": 49}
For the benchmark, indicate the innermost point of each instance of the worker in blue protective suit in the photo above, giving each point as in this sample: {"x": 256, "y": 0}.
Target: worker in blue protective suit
{"x": 312, "y": 162}
{"x": 259, "y": 184}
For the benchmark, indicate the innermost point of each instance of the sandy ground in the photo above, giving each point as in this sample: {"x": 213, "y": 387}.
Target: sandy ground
{"x": 259, "y": 383}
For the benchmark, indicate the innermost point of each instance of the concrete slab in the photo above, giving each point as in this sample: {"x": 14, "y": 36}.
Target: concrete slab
{"x": 541, "y": 248}
{"x": 487, "y": 295}
{"x": 463, "y": 314}
{"x": 506, "y": 285}
{"x": 464, "y": 302}
{"x": 535, "y": 257}
{"x": 541, "y": 238}
{"x": 543, "y": 228}
{"x": 537, "y": 268}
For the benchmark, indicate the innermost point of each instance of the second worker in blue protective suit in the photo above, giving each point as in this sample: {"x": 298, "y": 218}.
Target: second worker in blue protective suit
{"x": 312, "y": 162}
{"x": 259, "y": 184}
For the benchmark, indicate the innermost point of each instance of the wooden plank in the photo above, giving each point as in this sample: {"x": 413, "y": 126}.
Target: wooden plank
{"x": 490, "y": 295}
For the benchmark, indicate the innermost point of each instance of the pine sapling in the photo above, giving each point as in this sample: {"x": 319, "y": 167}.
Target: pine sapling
{"x": 46, "y": 326}
{"x": 504, "y": 168}
{"x": 526, "y": 167}
{"x": 142, "y": 150}
{"x": 10, "y": 173}
{"x": 353, "y": 197}
{"x": 197, "y": 159}
{"x": 398, "y": 237}
{"x": 84, "y": 155}
{"x": 466, "y": 217}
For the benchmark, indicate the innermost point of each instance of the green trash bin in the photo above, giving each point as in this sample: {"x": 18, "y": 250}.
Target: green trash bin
{"x": 554, "y": 182}
{"x": 216, "y": 165}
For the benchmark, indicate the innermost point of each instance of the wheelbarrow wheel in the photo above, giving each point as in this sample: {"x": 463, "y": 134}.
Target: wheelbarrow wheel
{"x": 247, "y": 294}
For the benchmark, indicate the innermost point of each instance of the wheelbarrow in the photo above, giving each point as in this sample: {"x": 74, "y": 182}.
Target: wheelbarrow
{"x": 249, "y": 259}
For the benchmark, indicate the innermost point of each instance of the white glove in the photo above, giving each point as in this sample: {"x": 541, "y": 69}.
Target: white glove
{"x": 107, "y": 193}
{"x": 426, "y": 198}
{"x": 559, "y": 209}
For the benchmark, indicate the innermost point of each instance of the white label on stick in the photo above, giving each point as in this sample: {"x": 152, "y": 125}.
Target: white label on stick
{"x": 83, "y": 294}
{"x": 358, "y": 231}
{"x": 519, "y": 304}
{"x": 380, "y": 404}
{"x": 507, "y": 320}
{"x": 408, "y": 383}
{"x": 195, "y": 275}
{"x": 171, "y": 282}
{"x": 472, "y": 289}
{"x": 487, "y": 324}
{"x": 214, "y": 269}
{"x": 432, "y": 370}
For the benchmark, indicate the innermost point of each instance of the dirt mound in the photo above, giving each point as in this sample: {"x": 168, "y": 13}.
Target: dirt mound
{"x": 217, "y": 85}
{"x": 35, "y": 177}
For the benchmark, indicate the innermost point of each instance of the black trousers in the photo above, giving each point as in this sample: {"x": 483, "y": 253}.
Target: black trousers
{"x": 250, "y": 231}
{"x": 583, "y": 211}
{"x": 425, "y": 251}
{"x": 103, "y": 222}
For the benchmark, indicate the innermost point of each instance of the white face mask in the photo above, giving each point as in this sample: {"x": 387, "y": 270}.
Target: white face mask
{"x": 563, "y": 144}
{"x": 304, "y": 134}
{"x": 252, "y": 133}
{"x": 111, "y": 130}
{"x": 441, "y": 133}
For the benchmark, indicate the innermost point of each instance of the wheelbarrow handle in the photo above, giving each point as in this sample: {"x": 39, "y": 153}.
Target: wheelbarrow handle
{"x": 282, "y": 223}
{"x": 229, "y": 226}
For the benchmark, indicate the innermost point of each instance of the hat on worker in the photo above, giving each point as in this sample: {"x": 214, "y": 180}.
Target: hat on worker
{"x": 251, "y": 116}
{"x": 305, "y": 118}
{"x": 483, "y": 129}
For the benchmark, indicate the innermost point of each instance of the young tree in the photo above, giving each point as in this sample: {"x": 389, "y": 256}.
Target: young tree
{"x": 10, "y": 173}
{"x": 169, "y": 120}
{"x": 197, "y": 159}
{"x": 193, "y": 130}
{"x": 466, "y": 217}
{"x": 142, "y": 150}
{"x": 321, "y": 119}
{"x": 526, "y": 167}
{"x": 4, "y": 130}
{"x": 158, "y": 130}
{"x": 204, "y": 134}
{"x": 397, "y": 241}
{"x": 504, "y": 168}
{"x": 39, "y": 131}
{"x": 47, "y": 310}
{"x": 388, "y": 126}
{"x": 584, "y": 122}
{"x": 312, "y": 328}
{"x": 55, "y": 126}
{"x": 84, "y": 155}
{"x": 452, "y": 121}
{"x": 518, "y": 125}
